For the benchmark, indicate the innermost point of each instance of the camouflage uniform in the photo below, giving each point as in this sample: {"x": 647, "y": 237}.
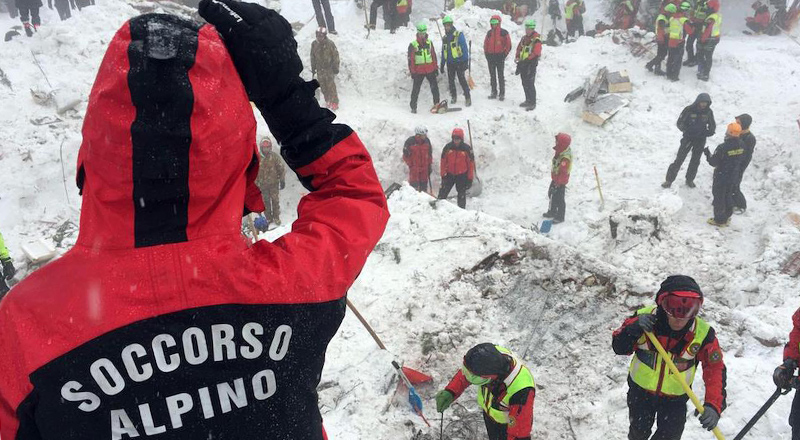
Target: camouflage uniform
{"x": 271, "y": 178}
{"x": 325, "y": 62}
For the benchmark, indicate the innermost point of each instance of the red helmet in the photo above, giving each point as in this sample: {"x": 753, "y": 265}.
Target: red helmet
{"x": 458, "y": 133}
{"x": 713, "y": 5}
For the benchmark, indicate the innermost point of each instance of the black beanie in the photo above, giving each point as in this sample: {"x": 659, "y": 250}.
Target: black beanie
{"x": 745, "y": 120}
{"x": 484, "y": 360}
{"x": 676, "y": 283}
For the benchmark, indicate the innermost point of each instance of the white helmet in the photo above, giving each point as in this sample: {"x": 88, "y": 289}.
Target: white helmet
{"x": 420, "y": 130}
{"x": 323, "y": 31}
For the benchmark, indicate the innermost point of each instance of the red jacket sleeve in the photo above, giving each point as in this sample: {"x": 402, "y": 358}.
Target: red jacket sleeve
{"x": 507, "y": 44}
{"x": 326, "y": 250}
{"x": 660, "y": 33}
{"x": 537, "y": 50}
{"x": 520, "y": 413}
{"x": 486, "y": 41}
{"x": 457, "y": 384}
{"x": 714, "y": 372}
{"x": 707, "y": 32}
{"x": 792, "y": 350}
{"x": 411, "y": 58}
{"x": 471, "y": 164}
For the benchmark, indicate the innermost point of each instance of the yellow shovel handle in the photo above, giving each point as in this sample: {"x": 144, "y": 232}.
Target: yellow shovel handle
{"x": 668, "y": 359}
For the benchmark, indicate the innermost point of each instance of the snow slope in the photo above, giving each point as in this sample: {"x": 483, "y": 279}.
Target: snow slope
{"x": 428, "y": 311}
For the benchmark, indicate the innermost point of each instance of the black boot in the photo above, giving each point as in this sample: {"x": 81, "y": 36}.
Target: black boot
{"x": 493, "y": 95}
{"x": 468, "y": 101}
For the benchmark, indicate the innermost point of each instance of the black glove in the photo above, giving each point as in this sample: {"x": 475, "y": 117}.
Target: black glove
{"x": 783, "y": 374}
{"x": 8, "y": 269}
{"x": 261, "y": 44}
{"x": 647, "y": 322}
{"x": 709, "y": 418}
{"x": 283, "y": 184}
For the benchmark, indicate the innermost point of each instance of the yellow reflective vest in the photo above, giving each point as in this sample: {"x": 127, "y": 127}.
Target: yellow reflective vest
{"x": 676, "y": 27}
{"x": 527, "y": 49}
{"x": 649, "y": 370}
{"x": 519, "y": 379}
{"x": 3, "y": 250}
{"x": 569, "y": 9}
{"x": 422, "y": 55}
{"x": 717, "y": 24}
{"x": 566, "y": 154}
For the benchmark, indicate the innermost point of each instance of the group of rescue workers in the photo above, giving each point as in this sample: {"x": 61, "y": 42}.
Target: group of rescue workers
{"x": 730, "y": 159}
{"x": 679, "y": 26}
{"x": 457, "y": 168}
{"x": 506, "y": 387}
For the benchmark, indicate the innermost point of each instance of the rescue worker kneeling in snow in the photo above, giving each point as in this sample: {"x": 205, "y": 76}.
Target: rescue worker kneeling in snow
{"x": 784, "y": 375}
{"x": 506, "y": 391}
{"x": 654, "y": 392}
{"x": 760, "y": 21}
{"x": 160, "y": 321}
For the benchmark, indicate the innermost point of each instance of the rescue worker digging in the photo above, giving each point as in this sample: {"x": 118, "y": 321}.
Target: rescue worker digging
{"x": 422, "y": 66}
{"x": 325, "y": 65}
{"x": 654, "y": 393}
{"x": 455, "y": 54}
{"x": 271, "y": 179}
{"x": 457, "y": 168}
{"x": 783, "y": 375}
{"x": 506, "y": 391}
{"x": 529, "y": 50}
{"x": 496, "y": 46}
{"x": 696, "y": 122}
{"x": 418, "y": 155}
{"x": 661, "y": 28}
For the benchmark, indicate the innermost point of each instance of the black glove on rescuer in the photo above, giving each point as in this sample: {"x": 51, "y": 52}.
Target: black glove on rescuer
{"x": 264, "y": 52}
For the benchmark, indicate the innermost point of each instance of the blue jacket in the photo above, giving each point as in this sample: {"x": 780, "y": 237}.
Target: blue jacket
{"x": 462, "y": 43}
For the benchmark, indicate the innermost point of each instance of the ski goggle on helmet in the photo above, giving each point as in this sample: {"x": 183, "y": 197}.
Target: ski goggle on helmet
{"x": 474, "y": 378}
{"x": 680, "y": 304}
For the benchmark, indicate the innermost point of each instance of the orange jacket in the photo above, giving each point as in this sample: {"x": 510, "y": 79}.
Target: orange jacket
{"x": 457, "y": 160}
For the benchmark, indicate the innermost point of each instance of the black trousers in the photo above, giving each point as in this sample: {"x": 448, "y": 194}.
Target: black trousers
{"x": 696, "y": 146}
{"x": 705, "y": 53}
{"x": 794, "y": 417}
{"x": 558, "y": 204}
{"x": 496, "y": 431}
{"x": 325, "y": 21}
{"x": 691, "y": 40}
{"x": 32, "y": 14}
{"x": 453, "y": 70}
{"x": 739, "y": 200}
{"x": 431, "y": 77}
{"x": 3, "y": 287}
{"x": 663, "y": 48}
{"x": 496, "y": 67}
{"x": 461, "y": 183}
{"x": 575, "y": 25}
{"x": 62, "y": 6}
{"x": 419, "y": 186}
{"x": 389, "y": 13}
{"x": 755, "y": 27}
{"x": 645, "y": 408}
{"x": 527, "y": 72}
{"x": 722, "y": 190}
{"x": 675, "y": 61}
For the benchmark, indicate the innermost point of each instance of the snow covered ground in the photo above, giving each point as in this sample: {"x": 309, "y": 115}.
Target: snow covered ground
{"x": 415, "y": 290}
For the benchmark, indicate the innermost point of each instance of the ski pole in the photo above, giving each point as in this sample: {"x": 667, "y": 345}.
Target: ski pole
{"x": 441, "y": 427}
{"x": 778, "y": 393}
{"x": 674, "y": 370}
{"x": 599, "y": 189}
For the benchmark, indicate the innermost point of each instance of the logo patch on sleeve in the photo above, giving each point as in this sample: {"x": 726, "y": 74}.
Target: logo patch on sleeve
{"x": 715, "y": 357}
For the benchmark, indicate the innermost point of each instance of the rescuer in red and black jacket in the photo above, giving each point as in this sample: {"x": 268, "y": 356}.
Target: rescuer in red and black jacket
{"x": 496, "y": 47}
{"x": 457, "y": 168}
{"x": 760, "y": 21}
{"x": 560, "y": 170}
{"x": 784, "y": 375}
{"x": 161, "y": 321}
{"x": 654, "y": 393}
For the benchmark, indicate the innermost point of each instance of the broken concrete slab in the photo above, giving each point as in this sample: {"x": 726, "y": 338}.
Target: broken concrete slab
{"x": 603, "y": 109}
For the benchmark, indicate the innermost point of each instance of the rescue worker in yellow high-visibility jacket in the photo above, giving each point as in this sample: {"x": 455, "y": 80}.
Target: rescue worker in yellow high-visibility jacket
{"x": 708, "y": 40}
{"x": 654, "y": 393}
{"x": 506, "y": 391}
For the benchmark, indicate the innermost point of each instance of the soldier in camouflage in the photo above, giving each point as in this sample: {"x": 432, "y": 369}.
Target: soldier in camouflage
{"x": 271, "y": 179}
{"x": 325, "y": 65}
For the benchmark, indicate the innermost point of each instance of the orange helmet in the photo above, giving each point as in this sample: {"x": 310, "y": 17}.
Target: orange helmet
{"x": 458, "y": 133}
{"x": 734, "y": 130}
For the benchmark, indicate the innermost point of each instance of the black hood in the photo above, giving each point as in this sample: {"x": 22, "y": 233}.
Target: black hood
{"x": 745, "y": 120}
{"x": 703, "y": 97}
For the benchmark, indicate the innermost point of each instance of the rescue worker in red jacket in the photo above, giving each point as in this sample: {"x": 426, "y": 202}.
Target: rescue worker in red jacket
{"x": 625, "y": 14}
{"x": 559, "y": 177}
{"x": 573, "y": 14}
{"x": 679, "y": 28}
{"x": 529, "y": 50}
{"x": 496, "y": 46}
{"x": 418, "y": 155}
{"x": 784, "y": 375}
{"x": 422, "y": 65}
{"x": 708, "y": 40}
{"x": 760, "y": 21}
{"x": 506, "y": 391}
{"x": 457, "y": 168}
{"x": 403, "y": 12}
{"x": 654, "y": 393}
{"x": 697, "y": 16}
{"x": 160, "y": 320}
{"x": 661, "y": 29}
{"x": 511, "y": 9}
